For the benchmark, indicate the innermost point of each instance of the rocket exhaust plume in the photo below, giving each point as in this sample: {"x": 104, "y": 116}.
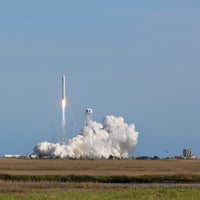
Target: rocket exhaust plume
{"x": 96, "y": 140}
{"x": 64, "y": 104}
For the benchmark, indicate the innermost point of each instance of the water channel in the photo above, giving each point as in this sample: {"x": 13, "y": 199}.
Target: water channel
{"x": 154, "y": 184}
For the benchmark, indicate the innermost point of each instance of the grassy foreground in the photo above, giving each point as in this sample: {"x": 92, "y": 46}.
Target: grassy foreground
{"x": 85, "y": 179}
{"x": 62, "y": 190}
{"x": 162, "y": 193}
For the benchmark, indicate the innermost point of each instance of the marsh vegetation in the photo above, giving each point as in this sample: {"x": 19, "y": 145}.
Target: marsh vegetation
{"x": 85, "y": 179}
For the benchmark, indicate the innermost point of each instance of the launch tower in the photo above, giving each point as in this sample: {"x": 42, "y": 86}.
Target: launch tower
{"x": 88, "y": 116}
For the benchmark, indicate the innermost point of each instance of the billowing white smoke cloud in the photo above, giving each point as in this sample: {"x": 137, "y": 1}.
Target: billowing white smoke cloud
{"x": 112, "y": 137}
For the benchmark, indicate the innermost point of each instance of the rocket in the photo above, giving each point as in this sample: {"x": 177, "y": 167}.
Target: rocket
{"x": 63, "y": 88}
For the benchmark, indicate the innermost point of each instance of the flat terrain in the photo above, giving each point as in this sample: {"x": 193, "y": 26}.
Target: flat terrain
{"x": 99, "y": 193}
{"x": 51, "y": 189}
{"x": 99, "y": 167}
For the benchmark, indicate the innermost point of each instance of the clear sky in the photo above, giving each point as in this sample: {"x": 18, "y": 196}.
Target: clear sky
{"x": 137, "y": 59}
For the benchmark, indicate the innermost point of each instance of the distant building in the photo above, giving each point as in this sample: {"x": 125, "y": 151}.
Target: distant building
{"x": 11, "y": 156}
{"x": 187, "y": 153}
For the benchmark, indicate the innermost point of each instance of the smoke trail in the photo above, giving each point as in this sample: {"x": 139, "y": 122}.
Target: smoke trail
{"x": 63, "y": 120}
{"x": 112, "y": 137}
{"x": 63, "y": 112}
{"x": 64, "y": 104}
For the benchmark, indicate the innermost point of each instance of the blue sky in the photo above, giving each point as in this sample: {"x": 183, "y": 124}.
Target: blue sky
{"x": 136, "y": 59}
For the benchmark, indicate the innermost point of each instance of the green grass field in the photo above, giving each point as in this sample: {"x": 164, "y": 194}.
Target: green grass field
{"x": 162, "y": 193}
